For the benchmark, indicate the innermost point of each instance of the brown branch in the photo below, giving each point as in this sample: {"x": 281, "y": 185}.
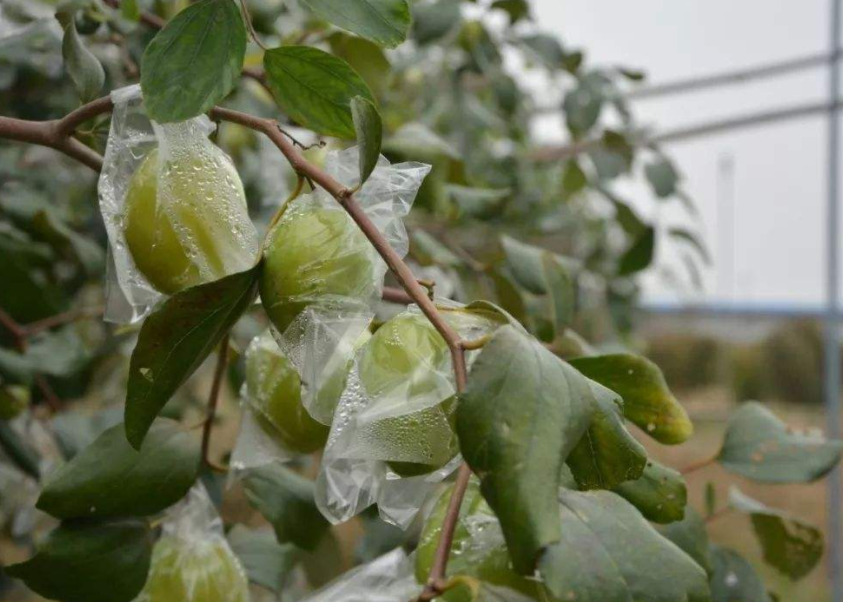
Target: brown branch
{"x": 72, "y": 315}
{"x": 15, "y": 329}
{"x": 213, "y": 402}
{"x": 698, "y": 465}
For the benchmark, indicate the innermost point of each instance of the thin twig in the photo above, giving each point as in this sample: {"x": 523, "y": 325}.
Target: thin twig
{"x": 66, "y": 317}
{"x": 213, "y": 401}
{"x": 698, "y": 465}
{"x": 15, "y": 329}
{"x": 248, "y": 19}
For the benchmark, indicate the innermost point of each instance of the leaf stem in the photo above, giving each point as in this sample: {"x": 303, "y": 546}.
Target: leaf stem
{"x": 213, "y": 402}
{"x": 248, "y": 19}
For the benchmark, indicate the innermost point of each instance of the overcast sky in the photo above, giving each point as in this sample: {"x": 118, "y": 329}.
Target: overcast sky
{"x": 779, "y": 182}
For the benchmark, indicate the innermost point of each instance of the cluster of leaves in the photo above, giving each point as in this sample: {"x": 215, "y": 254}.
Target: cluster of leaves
{"x": 544, "y": 421}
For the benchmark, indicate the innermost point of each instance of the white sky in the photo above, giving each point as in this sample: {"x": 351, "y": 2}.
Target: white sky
{"x": 779, "y": 170}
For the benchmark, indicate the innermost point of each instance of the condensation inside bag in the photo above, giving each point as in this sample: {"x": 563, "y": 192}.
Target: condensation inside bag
{"x": 321, "y": 338}
{"x": 192, "y": 561}
{"x": 171, "y": 173}
{"x": 401, "y": 416}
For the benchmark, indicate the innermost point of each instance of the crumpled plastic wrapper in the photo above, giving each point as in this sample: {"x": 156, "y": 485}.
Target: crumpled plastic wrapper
{"x": 192, "y": 561}
{"x": 355, "y": 470}
{"x": 320, "y": 340}
{"x": 385, "y": 579}
{"x": 129, "y": 295}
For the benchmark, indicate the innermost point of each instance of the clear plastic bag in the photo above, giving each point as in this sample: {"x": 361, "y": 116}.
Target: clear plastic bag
{"x": 321, "y": 330}
{"x": 192, "y": 561}
{"x": 178, "y": 167}
{"x": 274, "y": 424}
{"x": 394, "y": 418}
{"x": 385, "y": 579}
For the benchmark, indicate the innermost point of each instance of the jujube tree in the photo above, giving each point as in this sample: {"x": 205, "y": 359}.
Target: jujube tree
{"x": 478, "y": 418}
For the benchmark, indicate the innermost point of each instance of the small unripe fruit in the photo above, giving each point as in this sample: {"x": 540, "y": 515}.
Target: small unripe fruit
{"x": 407, "y": 361}
{"x": 14, "y": 399}
{"x": 186, "y": 220}
{"x": 315, "y": 256}
{"x": 274, "y": 393}
{"x": 194, "y": 571}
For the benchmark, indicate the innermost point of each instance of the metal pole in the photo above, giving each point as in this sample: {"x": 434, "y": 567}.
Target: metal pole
{"x": 831, "y": 330}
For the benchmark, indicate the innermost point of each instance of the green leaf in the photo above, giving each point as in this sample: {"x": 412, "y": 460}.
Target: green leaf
{"x": 130, "y": 10}
{"x": 87, "y": 253}
{"x": 522, "y": 412}
{"x": 194, "y": 61}
{"x": 609, "y": 553}
{"x": 659, "y": 494}
{"x": 315, "y": 88}
{"x": 508, "y": 295}
{"x": 516, "y": 9}
{"x": 690, "y": 535}
{"x": 88, "y": 561}
{"x": 607, "y": 455}
{"x": 84, "y": 68}
{"x": 428, "y": 250}
{"x": 648, "y": 401}
{"x": 285, "y": 499}
{"x": 662, "y": 177}
{"x": 547, "y": 48}
{"x": 366, "y": 58}
{"x": 385, "y": 22}
{"x": 110, "y": 478}
{"x": 761, "y": 447}
{"x": 733, "y": 578}
{"x": 541, "y": 272}
{"x": 19, "y": 451}
{"x": 573, "y": 178}
{"x": 434, "y": 20}
{"x": 267, "y": 563}
{"x": 369, "y": 130}
{"x": 176, "y": 339}
{"x": 790, "y": 545}
{"x": 477, "y": 202}
{"x": 689, "y": 237}
{"x": 57, "y": 353}
{"x": 640, "y": 253}
{"x": 582, "y": 106}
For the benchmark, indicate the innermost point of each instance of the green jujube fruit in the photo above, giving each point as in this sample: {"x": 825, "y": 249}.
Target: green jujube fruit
{"x": 315, "y": 256}
{"x": 274, "y": 392}
{"x": 194, "y": 571}
{"x": 407, "y": 360}
{"x": 186, "y": 220}
{"x": 14, "y": 399}
{"x": 484, "y": 557}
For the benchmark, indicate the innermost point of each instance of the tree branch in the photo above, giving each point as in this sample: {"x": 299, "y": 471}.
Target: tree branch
{"x": 213, "y": 402}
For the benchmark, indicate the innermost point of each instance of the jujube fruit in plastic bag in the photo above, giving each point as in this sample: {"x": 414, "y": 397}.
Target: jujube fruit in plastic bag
{"x": 195, "y": 570}
{"x": 274, "y": 393}
{"x": 315, "y": 256}
{"x": 185, "y": 217}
